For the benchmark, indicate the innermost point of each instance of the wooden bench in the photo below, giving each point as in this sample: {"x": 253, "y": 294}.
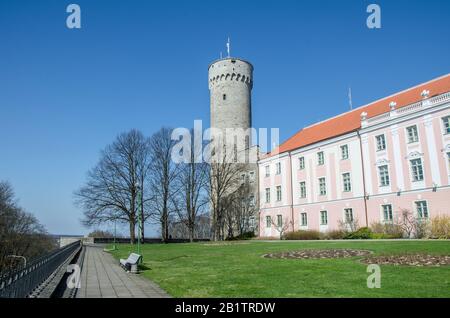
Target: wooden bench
{"x": 131, "y": 263}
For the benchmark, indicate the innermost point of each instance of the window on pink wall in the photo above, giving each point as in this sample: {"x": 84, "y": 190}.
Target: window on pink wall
{"x": 323, "y": 217}
{"x": 348, "y": 212}
{"x": 344, "y": 152}
{"x": 303, "y": 219}
{"x": 301, "y": 163}
{"x": 267, "y": 171}
{"x": 417, "y": 169}
{"x": 448, "y": 159}
{"x": 347, "y": 182}
{"x": 267, "y": 195}
{"x": 278, "y": 193}
{"x": 320, "y": 158}
{"x": 268, "y": 221}
{"x": 387, "y": 212}
{"x": 383, "y": 172}
{"x": 381, "y": 142}
{"x": 422, "y": 209}
{"x": 413, "y": 135}
{"x": 279, "y": 220}
{"x": 322, "y": 186}
{"x": 278, "y": 166}
{"x": 446, "y": 123}
{"x": 303, "y": 189}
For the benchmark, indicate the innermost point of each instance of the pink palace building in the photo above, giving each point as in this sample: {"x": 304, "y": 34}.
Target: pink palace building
{"x": 364, "y": 165}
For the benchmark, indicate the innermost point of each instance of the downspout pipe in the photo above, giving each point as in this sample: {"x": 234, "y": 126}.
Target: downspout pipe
{"x": 292, "y": 190}
{"x": 363, "y": 177}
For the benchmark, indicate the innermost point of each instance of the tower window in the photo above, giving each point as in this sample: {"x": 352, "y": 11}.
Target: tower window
{"x": 224, "y": 96}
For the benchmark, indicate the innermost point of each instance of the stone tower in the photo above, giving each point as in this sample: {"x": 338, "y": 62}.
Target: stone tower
{"x": 230, "y": 85}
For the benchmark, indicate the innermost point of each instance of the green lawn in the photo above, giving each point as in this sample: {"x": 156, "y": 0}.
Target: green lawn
{"x": 238, "y": 270}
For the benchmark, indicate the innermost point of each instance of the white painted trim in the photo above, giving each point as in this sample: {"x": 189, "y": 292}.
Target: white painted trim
{"x": 432, "y": 151}
{"x": 397, "y": 157}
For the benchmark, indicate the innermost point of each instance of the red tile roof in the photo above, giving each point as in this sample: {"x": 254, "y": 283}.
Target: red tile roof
{"x": 351, "y": 121}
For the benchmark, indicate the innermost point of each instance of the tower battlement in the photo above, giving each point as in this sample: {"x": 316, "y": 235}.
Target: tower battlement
{"x": 230, "y": 85}
{"x": 230, "y": 69}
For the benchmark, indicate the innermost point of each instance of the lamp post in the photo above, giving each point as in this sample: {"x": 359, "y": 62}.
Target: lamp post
{"x": 139, "y": 219}
{"x": 115, "y": 232}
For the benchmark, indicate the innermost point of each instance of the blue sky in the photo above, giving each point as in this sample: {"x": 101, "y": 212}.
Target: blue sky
{"x": 65, "y": 94}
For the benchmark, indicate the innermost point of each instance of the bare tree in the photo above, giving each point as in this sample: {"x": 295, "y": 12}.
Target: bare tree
{"x": 245, "y": 208}
{"x": 111, "y": 191}
{"x": 350, "y": 225}
{"x": 162, "y": 179}
{"x": 192, "y": 196}
{"x": 411, "y": 225}
{"x": 283, "y": 227}
{"x": 223, "y": 182}
{"x": 20, "y": 232}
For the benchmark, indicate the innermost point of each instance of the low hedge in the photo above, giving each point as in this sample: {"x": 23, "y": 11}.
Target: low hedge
{"x": 303, "y": 235}
{"x": 363, "y": 233}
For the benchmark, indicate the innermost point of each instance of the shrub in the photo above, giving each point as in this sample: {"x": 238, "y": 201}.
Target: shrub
{"x": 440, "y": 227}
{"x": 335, "y": 235}
{"x": 422, "y": 228}
{"x": 362, "y": 233}
{"x": 244, "y": 236}
{"x": 386, "y": 230}
{"x": 303, "y": 235}
{"x": 380, "y": 236}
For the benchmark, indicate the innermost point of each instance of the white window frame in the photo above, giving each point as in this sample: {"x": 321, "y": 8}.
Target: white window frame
{"x": 417, "y": 209}
{"x": 303, "y": 219}
{"x": 267, "y": 171}
{"x": 267, "y": 195}
{"x": 268, "y": 221}
{"x": 347, "y": 184}
{"x": 381, "y": 146}
{"x": 383, "y": 206}
{"x": 412, "y": 138}
{"x": 345, "y": 215}
{"x": 386, "y": 177}
{"x": 322, "y": 186}
{"x": 448, "y": 160}
{"x": 301, "y": 163}
{"x": 344, "y": 152}
{"x": 278, "y": 168}
{"x": 417, "y": 171}
{"x": 321, "y": 213}
{"x": 446, "y": 124}
{"x": 303, "y": 193}
{"x": 320, "y": 158}
{"x": 279, "y": 194}
{"x": 279, "y": 218}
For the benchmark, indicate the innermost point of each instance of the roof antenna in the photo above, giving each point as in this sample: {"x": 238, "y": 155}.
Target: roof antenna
{"x": 220, "y": 54}
{"x": 228, "y": 47}
{"x": 350, "y": 102}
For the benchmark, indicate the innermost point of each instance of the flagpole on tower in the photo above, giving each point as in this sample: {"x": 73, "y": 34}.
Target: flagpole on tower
{"x": 228, "y": 47}
{"x": 350, "y": 102}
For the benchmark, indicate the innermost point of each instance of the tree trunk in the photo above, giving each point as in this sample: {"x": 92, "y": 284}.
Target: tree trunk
{"x": 132, "y": 234}
{"x": 142, "y": 209}
{"x": 191, "y": 232}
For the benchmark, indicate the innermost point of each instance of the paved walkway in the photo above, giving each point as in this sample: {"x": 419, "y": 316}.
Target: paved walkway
{"x": 102, "y": 277}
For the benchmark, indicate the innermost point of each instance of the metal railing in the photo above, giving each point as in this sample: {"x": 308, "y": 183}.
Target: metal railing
{"x": 21, "y": 283}
{"x": 123, "y": 240}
